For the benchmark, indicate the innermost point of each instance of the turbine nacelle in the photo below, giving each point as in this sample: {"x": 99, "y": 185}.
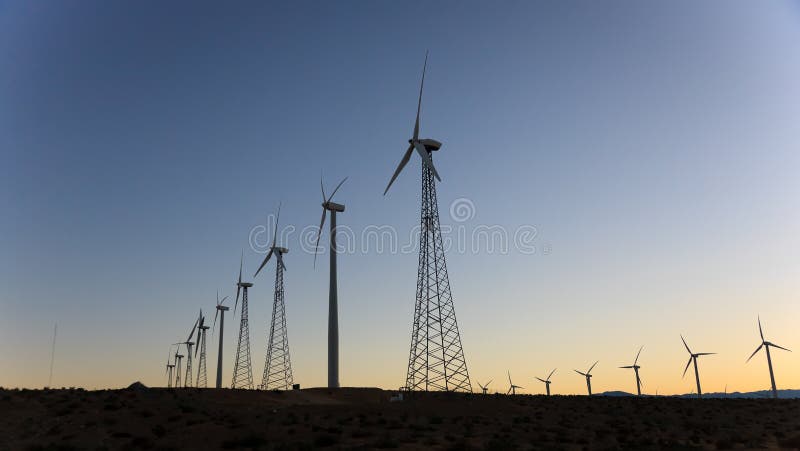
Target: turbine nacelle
{"x": 333, "y": 206}
{"x": 430, "y": 144}
{"x": 223, "y": 308}
{"x": 244, "y": 284}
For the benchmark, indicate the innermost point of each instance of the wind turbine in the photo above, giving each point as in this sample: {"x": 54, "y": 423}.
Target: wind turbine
{"x": 436, "y": 357}
{"x": 588, "y": 376}
{"x": 170, "y": 366}
{"x": 202, "y": 376}
{"x": 766, "y": 345}
{"x": 547, "y": 381}
{"x": 189, "y": 343}
{"x": 221, "y": 309}
{"x": 333, "y": 302}
{"x": 636, "y": 371}
{"x": 178, "y": 358}
{"x": 512, "y": 388}
{"x": 278, "y": 365}
{"x": 693, "y": 358}
{"x": 242, "y": 368}
{"x": 485, "y": 386}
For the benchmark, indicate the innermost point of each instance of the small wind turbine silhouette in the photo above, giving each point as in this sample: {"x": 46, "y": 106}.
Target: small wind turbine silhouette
{"x": 636, "y": 371}
{"x": 588, "y": 376}
{"x": 765, "y": 344}
{"x": 547, "y": 381}
{"x": 693, "y": 358}
{"x": 512, "y": 388}
{"x": 484, "y": 386}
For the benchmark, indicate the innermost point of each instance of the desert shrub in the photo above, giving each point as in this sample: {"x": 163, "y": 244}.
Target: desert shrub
{"x": 142, "y": 443}
{"x": 324, "y": 440}
{"x": 248, "y": 441}
{"x": 159, "y": 430}
{"x": 385, "y": 442}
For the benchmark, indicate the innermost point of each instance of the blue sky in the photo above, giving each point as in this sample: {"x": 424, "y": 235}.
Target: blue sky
{"x": 651, "y": 144}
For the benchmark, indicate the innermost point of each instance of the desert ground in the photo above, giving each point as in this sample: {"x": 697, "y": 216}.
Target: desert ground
{"x": 364, "y": 418}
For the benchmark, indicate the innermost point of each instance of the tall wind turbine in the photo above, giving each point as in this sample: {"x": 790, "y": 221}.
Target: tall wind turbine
{"x": 333, "y": 301}
{"x": 221, "y": 309}
{"x": 485, "y": 386}
{"x": 436, "y": 360}
{"x": 202, "y": 376}
{"x": 278, "y": 366}
{"x": 636, "y": 371}
{"x": 189, "y": 343}
{"x": 547, "y": 381}
{"x": 766, "y": 345}
{"x": 242, "y": 369}
{"x": 588, "y": 376}
{"x": 512, "y": 388}
{"x": 693, "y": 358}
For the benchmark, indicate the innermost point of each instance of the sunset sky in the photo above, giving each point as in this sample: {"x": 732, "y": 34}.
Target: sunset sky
{"x": 652, "y": 146}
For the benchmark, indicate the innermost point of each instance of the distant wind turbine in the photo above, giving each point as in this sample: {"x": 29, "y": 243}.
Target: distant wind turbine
{"x": 588, "y": 376}
{"x": 547, "y": 381}
{"x": 221, "y": 309}
{"x": 485, "y": 386}
{"x": 635, "y": 368}
{"x": 766, "y": 345}
{"x": 512, "y": 388}
{"x": 693, "y": 358}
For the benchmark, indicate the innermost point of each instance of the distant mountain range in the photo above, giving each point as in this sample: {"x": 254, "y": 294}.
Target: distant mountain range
{"x": 782, "y": 394}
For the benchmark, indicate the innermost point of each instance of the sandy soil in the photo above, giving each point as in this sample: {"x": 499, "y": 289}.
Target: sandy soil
{"x": 363, "y": 418}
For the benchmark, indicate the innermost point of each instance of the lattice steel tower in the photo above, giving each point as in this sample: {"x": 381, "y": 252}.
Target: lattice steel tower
{"x": 202, "y": 376}
{"x": 278, "y": 365}
{"x": 242, "y": 370}
{"x": 436, "y": 360}
{"x": 187, "y": 381}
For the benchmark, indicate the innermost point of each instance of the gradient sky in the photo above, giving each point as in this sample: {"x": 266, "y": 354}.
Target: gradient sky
{"x": 652, "y": 144}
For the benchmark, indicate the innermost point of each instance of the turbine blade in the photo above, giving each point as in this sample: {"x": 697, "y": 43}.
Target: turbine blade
{"x": 223, "y": 300}
{"x": 321, "y": 187}
{"x": 582, "y": 374}
{"x": 779, "y": 347}
{"x": 403, "y": 162}
{"x": 217, "y": 297}
{"x": 591, "y": 367}
{"x": 687, "y": 367}
{"x": 321, "y": 223}
{"x": 337, "y": 187}
{"x": 687, "y": 346}
{"x": 551, "y": 374}
{"x": 264, "y": 263}
{"x": 754, "y": 352}
{"x": 626, "y": 366}
{"x": 241, "y": 262}
{"x": 705, "y": 353}
{"x": 419, "y": 102}
{"x": 539, "y": 378}
{"x": 637, "y": 355}
{"x": 191, "y": 334}
{"x": 214, "y": 326}
{"x": 509, "y": 379}
{"x": 277, "y": 218}
{"x": 238, "y": 289}
{"x": 760, "y": 332}
{"x": 426, "y": 158}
